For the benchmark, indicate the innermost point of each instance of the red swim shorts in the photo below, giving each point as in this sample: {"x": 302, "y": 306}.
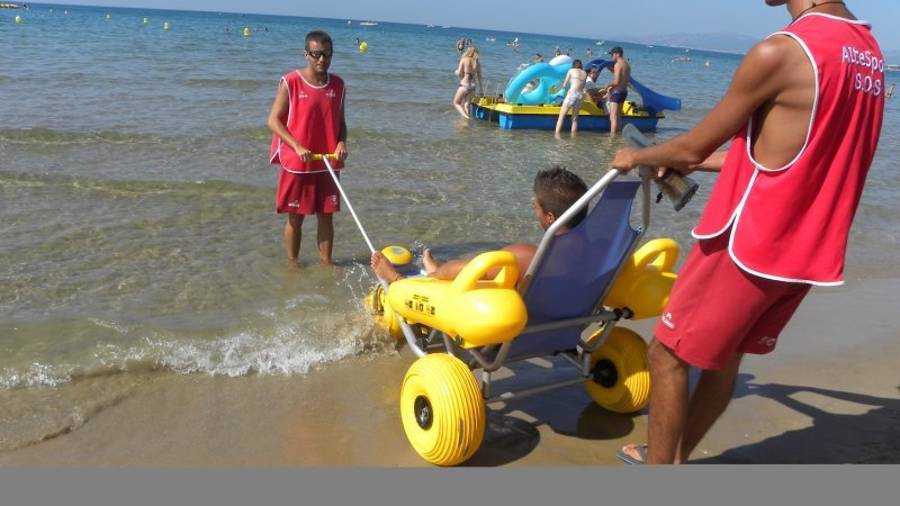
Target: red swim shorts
{"x": 307, "y": 193}
{"x": 717, "y": 310}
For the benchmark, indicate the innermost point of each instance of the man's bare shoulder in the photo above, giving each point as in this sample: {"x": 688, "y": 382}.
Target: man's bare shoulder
{"x": 773, "y": 52}
{"x": 771, "y": 66}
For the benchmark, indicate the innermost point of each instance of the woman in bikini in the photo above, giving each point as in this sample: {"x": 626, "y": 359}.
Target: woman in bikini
{"x": 469, "y": 68}
{"x": 575, "y": 79}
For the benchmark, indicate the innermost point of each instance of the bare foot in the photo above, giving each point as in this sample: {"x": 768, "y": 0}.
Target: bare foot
{"x": 383, "y": 268}
{"x": 428, "y": 261}
{"x": 462, "y": 111}
{"x": 633, "y": 454}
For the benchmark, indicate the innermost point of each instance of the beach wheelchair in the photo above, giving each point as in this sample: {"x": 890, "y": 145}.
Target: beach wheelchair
{"x": 577, "y": 288}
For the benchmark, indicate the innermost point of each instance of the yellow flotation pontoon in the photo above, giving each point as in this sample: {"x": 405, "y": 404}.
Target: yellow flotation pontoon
{"x": 471, "y": 310}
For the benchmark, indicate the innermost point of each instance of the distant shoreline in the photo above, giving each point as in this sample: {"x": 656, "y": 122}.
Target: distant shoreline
{"x": 706, "y": 50}
{"x": 381, "y": 21}
{"x": 436, "y": 25}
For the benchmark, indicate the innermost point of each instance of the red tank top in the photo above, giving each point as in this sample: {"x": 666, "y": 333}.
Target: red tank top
{"x": 314, "y": 119}
{"x": 791, "y": 223}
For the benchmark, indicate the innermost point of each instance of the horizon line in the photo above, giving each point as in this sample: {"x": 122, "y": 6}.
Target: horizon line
{"x": 585, "y": 37}
{"x": 616, "y": 39}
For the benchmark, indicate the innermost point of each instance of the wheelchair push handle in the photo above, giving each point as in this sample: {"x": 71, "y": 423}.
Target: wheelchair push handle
{"x": 679, "y": 189}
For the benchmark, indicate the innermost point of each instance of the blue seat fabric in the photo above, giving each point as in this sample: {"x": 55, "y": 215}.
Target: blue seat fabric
{"x": 576, "y": 271}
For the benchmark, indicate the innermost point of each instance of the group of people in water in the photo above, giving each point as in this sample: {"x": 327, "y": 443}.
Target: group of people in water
{"x": 578, "y": 83}
{"x": 538, "y": 57}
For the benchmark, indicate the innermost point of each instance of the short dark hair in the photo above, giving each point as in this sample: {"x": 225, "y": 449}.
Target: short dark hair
{"x": 617, "y": 50}
{"x": 556, "y": 189}
{"x": 318, "y": 36}
{"x": 577, "y": 64}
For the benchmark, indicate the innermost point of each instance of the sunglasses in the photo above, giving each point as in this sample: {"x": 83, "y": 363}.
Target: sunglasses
{"x": 315, "y": 55}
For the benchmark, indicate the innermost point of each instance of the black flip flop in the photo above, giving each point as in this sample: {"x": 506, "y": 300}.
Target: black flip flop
{"x": 628, "y": 459}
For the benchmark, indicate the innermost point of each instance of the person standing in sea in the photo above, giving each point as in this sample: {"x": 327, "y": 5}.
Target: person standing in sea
{"x": 307, "y": 118}
{"x": 617, "y": 90}
{"x": 575, "y": 80}
{"x": 469, "y": 70}
{"x": 804, "y": 114}
{"x": 460, "y": 45}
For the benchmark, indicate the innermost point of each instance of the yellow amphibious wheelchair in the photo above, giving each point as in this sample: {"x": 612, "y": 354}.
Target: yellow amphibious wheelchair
{"x": 576, "y": 289}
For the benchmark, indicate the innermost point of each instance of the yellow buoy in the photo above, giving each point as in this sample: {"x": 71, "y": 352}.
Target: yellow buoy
{"x": 246, "y": 31}
{"x": 18, "y": 20}
{"x": 397, "y": 255}
{"x": 166, "y": 25}
{"x": 146, "y": 21}
{"x": 363, "y": 47}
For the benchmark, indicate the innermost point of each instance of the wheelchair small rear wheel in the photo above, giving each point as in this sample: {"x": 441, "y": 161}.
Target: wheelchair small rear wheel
{"x": 620, "y": 379}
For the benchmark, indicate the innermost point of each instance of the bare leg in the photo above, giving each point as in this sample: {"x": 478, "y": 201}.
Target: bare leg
{"x": 668, "y": 403}
{"x": 293, "y": 228}
{"x": 708, "y": 402}
{"x": 575, "y": 111}
{"x": 615, "y": 111}
{"x": 562, "y": 117}
{"x": 325, "y": 237}
{"x": 462, "y": 93}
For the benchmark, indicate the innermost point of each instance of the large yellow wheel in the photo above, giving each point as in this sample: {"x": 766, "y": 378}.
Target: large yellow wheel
{"x": 620, "y": 379}
{"x": 442, "y": 409}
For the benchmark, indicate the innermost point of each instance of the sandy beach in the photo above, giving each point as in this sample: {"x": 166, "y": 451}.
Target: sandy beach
{"x": 830, "y": 394}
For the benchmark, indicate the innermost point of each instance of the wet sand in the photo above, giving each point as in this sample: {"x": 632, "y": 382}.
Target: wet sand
{"x": 829, "y": 394}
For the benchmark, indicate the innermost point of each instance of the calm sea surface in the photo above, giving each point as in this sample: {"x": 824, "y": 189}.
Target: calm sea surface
{"x": 137, "y": 229}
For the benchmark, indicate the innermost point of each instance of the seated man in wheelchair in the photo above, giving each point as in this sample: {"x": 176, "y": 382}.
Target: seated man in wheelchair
{"x": 555, "y": 190}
